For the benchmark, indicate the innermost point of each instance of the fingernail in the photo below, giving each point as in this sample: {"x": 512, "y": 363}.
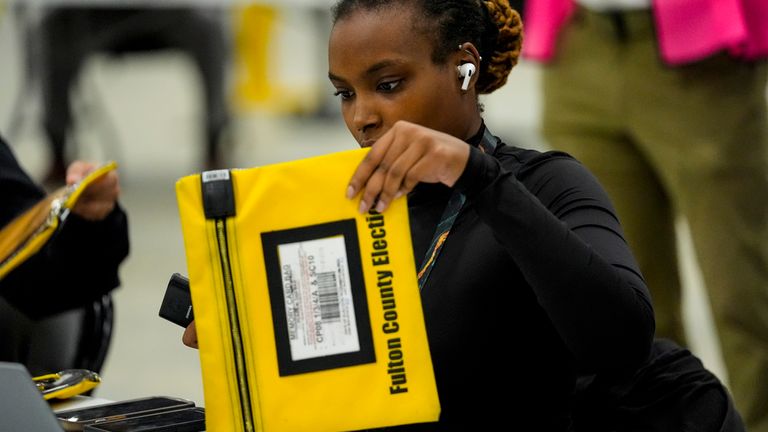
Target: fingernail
{"x": 350, "y": 192}
{"x": 363, "y": 207}
{"x": 380, "y": 206}
{"x": 398, "y": 194}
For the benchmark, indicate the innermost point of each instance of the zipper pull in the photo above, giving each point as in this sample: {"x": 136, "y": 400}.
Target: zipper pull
{"x": 218, "y": 194}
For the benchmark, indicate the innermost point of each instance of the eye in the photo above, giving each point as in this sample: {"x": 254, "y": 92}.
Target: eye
{"x": 388, "y": 86}
{"x": 344, "y": 94}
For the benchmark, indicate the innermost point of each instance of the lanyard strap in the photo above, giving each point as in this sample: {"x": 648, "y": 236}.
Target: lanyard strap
{"x": 452, "y": 209}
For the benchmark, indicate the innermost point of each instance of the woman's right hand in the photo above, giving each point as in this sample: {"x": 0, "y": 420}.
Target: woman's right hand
{"x": 190, "y": 336}
{"x": 404, "y": 156}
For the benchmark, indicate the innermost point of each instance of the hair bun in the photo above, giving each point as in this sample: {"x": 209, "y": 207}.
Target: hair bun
{"x": 508, "y": 45}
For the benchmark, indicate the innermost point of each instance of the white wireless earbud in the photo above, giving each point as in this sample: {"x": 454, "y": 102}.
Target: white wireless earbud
{"x": 466, "y": 71}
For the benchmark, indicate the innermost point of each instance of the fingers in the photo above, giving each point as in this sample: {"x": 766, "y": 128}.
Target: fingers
{"x": 387, "y": 162}
{"x": 367, "y": 171}
{"x": 404, "y": 156}
{"x": 98, "y": 200}
{"x": 392, "y": 165}
{"x": 402, "y": 175}
{"x": 190, "y": 336}
{"x": 78, "y": 170}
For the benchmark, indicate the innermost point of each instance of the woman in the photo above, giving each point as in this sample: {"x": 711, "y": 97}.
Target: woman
{"x": 534, "y": 283}
{"x": 535, "y": 262}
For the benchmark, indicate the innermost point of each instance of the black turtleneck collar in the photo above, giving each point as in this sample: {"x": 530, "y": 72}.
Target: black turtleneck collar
{"x": 475, "y": 139}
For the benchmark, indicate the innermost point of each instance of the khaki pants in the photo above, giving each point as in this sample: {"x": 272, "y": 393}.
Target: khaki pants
{"x": 666, "y": 140}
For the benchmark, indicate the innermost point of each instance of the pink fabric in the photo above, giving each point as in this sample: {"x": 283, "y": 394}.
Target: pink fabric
{"x": 756, "y": 17}
{"x": 542, "y": 22}
{"x": 688, "y": 30}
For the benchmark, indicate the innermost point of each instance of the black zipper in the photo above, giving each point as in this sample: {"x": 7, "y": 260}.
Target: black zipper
{"x": 234, "y": 324}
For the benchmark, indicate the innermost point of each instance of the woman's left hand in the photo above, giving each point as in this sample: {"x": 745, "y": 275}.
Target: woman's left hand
{"x": 189, "y": 338}
{"x": 401, "y": 158}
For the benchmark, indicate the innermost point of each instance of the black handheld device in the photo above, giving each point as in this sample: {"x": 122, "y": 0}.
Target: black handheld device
{"x": 177, "y": 302}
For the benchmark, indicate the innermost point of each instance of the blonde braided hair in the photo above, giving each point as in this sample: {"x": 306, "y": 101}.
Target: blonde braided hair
{"x": 508, "y": 45}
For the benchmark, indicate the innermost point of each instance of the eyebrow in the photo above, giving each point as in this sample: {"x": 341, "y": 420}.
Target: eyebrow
{"x": 371, "y": 70}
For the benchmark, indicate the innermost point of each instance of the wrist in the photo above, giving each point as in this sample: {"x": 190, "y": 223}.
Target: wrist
{"x": 480, "y": 171}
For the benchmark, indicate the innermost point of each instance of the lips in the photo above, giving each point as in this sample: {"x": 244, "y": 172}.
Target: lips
{"x": 367, "y": 142}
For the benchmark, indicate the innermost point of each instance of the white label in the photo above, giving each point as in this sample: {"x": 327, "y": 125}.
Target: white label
{"x": 209, "y": 176}
{"x": 318, "y": 298}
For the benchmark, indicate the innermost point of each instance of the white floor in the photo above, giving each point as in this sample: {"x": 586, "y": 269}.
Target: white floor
{"x": 145, "y": 113}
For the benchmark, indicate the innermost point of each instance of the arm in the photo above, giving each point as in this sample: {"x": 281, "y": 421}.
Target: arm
{"x": 555, "y": 221}
{"x": 559, "y": 226}
{"x": 17, "y": 191}
{"x": 80, "y": 263}
{"x": 77, "y": 266}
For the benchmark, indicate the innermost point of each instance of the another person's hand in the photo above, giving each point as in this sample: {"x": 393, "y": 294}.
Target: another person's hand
{"x": 190, "y": 336}
{"x": 404, "y": 156}
{"x": 98, "y": 200}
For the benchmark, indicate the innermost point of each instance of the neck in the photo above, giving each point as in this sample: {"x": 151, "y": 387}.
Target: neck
{"x": 472, "y": 127}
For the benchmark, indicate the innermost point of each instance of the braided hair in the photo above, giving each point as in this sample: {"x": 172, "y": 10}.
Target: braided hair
{"x": 492, "y": 26}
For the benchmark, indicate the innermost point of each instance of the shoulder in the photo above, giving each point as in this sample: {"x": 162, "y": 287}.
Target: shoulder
{"x": 527, "y": 163}
{"x": 552, "y": 176}
{"x": 6, "y": 155}
{"x": 17, "y": 190}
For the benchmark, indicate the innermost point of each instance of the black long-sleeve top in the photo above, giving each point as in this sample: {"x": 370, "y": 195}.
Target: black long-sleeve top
{"x": 76, "y": 266}
{"x": 534, "y": 285}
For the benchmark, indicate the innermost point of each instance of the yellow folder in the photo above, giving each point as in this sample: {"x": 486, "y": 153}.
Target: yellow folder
{"x": 30, "y": 231}
{"x": 308, "y": 313}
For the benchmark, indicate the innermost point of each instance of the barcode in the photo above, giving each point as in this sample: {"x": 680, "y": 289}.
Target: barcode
{"x": 328, "y": 290}
{"x": 209, "y": 176}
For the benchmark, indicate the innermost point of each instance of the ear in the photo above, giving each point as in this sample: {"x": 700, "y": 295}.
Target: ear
{"x": 467, "y": 54}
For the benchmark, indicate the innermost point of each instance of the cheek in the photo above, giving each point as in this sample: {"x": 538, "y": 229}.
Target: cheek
{"x": 406, "y": 109}
{"x": 348, "y": 112}
{"x": 436, "y": 101}
{"x": 416, "y": 107}
{"x": 433, "y": 111}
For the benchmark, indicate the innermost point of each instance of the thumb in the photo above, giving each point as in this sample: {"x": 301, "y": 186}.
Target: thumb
{"x": 78, "y": 170}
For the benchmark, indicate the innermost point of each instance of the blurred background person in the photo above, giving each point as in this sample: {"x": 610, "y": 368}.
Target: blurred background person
{"x": 150, "y": 75}
{"x": 666, "y": 104}
{"x": 75, "y": 270}
{"x": 69, "y": 33}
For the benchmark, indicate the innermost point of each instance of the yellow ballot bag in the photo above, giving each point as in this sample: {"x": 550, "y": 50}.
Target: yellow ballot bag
{"x": 30, "y": 231}
{"x": 308, "y": 313}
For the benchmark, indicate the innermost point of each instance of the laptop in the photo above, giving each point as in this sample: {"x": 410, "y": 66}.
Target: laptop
{"x": 22, "y": 407}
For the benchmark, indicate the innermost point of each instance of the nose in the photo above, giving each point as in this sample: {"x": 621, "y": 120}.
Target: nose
{"x": 366, "y": 116}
